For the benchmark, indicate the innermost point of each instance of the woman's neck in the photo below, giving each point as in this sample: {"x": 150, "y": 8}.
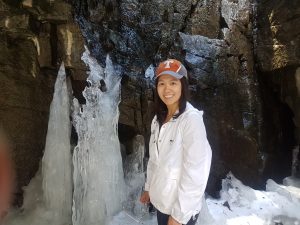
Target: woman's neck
{"x": 171, "y": 113}
{"x": 172, "y": 110}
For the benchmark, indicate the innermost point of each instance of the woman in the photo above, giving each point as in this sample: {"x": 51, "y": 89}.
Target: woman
{"x": 180, "y": 155}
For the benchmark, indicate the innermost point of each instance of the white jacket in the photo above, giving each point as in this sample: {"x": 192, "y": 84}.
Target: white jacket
{"x": 179, "y": 165}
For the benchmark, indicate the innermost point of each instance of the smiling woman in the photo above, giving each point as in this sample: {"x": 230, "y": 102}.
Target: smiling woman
{"x": 6, "y": 176}
{"x": 180, "y": 155}
{"x": 169, "y": 91}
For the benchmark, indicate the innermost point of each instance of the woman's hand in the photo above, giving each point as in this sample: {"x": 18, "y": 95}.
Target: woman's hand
{"x": 145, "y": 198}
{"x": 172, "y": 221}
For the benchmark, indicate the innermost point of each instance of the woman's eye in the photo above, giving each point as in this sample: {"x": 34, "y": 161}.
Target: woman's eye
{"x": 160, "y": 84}
{"x": 173, "y": 83}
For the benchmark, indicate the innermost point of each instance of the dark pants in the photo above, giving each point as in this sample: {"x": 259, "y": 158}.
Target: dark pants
{"x": 162, "y": 219}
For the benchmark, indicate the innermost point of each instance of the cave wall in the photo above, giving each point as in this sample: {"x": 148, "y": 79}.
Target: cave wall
{"x": 239, "y": 55}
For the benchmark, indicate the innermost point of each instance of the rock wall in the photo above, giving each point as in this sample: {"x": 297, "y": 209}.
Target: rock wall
{"x": 34, "y": 38}
{"x": 278, "y": 65}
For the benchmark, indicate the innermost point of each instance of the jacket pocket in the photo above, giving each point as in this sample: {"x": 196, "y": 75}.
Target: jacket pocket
{"x": 170, "y": 187}
{"x": 164, "y": 185}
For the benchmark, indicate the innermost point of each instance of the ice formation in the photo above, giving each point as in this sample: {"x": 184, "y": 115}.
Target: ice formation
{"x": 56, "y": 163}
{"x": 149, "y": 73}
{"x": 239, "y": 205}
{"x": 48, "y": 197}
{"x": 135, "y": 177}
{"x": 98, "y": 174}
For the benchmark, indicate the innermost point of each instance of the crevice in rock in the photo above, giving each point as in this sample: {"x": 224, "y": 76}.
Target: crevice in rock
{"x": 165, "y": 17}
{"x": 278, "y": 125}
{"x": 194, "y": 8}
{"x": 53, "y": 44}
{"x": 34, "y": 25}
{"x": 126, "y": 134}
{"x": 223, "y": 23}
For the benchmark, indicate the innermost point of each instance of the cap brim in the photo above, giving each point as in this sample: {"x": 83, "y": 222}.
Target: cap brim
{"x": 173, "y": 74}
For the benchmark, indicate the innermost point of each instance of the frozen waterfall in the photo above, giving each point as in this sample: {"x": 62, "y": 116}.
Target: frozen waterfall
{"x": 48, "y": 197}
{"x": 56, "y": 163}
{"x": 98, "y": 173}
{"x": 98, "y": 187}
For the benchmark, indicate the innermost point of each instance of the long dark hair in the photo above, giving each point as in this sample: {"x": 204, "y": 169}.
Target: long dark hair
{"x": 160, "y": 107}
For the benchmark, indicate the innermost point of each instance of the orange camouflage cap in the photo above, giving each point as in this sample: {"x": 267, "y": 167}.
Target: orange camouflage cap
{"x": 171, "y": 67}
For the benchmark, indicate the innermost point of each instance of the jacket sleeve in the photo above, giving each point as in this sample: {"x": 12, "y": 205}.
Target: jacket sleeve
{"x": 150, "y": 169}
{"x": 195, "y": 168}
{"x": 151, "y": 165}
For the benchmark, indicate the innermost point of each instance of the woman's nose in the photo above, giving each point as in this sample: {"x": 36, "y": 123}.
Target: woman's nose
{"x": 167, "y": 87}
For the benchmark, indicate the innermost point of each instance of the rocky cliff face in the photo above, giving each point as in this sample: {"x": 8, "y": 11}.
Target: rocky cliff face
{"x": 242, "y": 58}
{"x": 34, "y": 39}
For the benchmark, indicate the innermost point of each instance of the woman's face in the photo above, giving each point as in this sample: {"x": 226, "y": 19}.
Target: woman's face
{"x": 169, "y": 90}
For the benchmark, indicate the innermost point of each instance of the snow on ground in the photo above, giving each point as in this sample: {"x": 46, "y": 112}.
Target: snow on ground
{"x": 239, "y": 205}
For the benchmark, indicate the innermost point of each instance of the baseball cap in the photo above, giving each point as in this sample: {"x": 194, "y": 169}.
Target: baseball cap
{"x": 171, "y": 67}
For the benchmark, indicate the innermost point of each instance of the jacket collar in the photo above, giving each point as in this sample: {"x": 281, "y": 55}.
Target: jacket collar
{"x": 188, "y": 108}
